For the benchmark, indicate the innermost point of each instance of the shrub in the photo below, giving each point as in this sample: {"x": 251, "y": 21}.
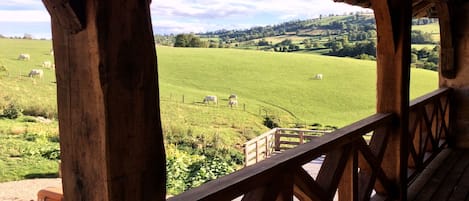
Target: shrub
{"x": 271, "y": 121}
{"x": 43, "y": 111}
{"x": 12, "y": 111}
{"x": 50, "y": 152}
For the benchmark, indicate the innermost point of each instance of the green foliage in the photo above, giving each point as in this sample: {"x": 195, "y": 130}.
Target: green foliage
{"x": 188, "y": 170}
{"x": 189, "y": 40}
{"x": 271, "y": 122}
{"x": 12, "y": 111}
{"x": 419, "y": 37}
{"x": 208, "y": 169}
{"x": 30, "y": 154}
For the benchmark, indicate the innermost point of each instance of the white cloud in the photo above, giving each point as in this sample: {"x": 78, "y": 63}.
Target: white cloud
{"x": 171, "y": 26}
{"x": 24, "y": 16}
{"x": 21, "y": 4}
{"x": 227, "y": 8}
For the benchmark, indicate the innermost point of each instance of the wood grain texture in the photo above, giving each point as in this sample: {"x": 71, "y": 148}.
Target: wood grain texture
{"x": 393, "y": 24}
{"x": 109, "y": 121}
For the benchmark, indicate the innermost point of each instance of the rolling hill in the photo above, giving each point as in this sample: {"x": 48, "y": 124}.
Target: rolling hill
{"x": 278, "y": 85}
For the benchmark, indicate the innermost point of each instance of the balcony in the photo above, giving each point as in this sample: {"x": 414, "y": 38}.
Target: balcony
{"x": 354, "y": 166}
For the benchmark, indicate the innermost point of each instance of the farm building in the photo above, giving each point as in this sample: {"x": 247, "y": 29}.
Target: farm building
{"x": 111, "y": 135}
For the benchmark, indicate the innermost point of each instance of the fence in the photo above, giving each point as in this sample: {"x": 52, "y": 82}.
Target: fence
{"x": 276, "y": 140}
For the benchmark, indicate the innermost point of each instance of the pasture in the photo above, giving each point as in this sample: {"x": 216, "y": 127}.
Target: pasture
{"x": 279, "y": 85}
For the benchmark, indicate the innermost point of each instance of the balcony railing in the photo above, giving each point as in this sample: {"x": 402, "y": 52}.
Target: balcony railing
{"x": 351, "y": 169}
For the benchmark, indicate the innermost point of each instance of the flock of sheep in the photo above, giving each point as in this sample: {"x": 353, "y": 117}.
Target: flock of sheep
{"x": 37, "y": 72}
{"x": 232, "y": 100}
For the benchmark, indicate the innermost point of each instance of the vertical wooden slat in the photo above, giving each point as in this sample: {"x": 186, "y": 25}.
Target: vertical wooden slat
{"x": 301, "y": 136}
{"x": 348, "y": 186}
{"x": 257, "y": 151}
{"x": 277, "y": 140}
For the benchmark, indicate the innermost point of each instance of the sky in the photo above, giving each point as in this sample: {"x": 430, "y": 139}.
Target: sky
{"x": 18, "y": 17}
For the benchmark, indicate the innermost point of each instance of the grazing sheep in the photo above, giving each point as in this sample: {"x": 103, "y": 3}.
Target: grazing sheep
{"x": 318, "y": 77}
{"x": 233, "y": 96}
{"x": 233, "y": 102}
{"x": 47, "y": 64}
{"x": 24, "y": 57}
{"x": 36, "y": 73}
{"x": 210, "y": 98}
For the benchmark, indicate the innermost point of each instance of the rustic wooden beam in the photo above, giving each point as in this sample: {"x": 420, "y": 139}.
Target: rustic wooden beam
{"x": 68, "y": 14}
{"x": 447, "y": 67}
{"x": 109, "y": 121}
{"x": 393, "y": 23}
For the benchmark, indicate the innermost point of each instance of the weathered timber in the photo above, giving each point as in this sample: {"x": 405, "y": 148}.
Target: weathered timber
{"x": 393, "y": 24}
{"x": 446, "y": 63}
{"x": 459, "y": 19}
{"x": 69, "y": 14}
{"x": 107, "y": 87}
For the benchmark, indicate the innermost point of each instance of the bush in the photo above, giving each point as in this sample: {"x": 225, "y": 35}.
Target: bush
{"x": 271, "y": 122}
{"x": 12, "y": 111}
{"x": 43, "y": 111}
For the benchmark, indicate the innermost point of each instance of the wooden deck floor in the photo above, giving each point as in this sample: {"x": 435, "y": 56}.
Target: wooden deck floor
{"x": 446, "y": 178}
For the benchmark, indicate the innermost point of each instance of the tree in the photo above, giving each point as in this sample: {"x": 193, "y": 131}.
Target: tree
{"x": 307, "y": 43}
{"x": 262, "y": 42}
{"x": 181, "y": 40}
{"x": 189, "y": 40}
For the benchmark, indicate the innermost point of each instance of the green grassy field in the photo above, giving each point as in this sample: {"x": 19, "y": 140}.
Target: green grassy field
{"x": 279, "y": 85}
{"x": 433, "y": 29}
{"x": 281, "y": 82}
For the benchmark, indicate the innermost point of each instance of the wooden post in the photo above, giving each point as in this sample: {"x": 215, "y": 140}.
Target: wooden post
{"x": 301, "y": 135}
{"x": 458, "y": 34}
{"x": 277, "y": 140}
{"x": 393, "y": 23}
{"x": 447, "y": 67}
{"x": 257, "y": 151}
{"x": 108, "y": 102}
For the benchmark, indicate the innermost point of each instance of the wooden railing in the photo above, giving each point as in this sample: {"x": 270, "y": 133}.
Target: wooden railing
{"x": 428, "y": 128}
{"x": 275, "y": 140}
{"x": 352, "y": 166}
{"x": 282, "y": 176}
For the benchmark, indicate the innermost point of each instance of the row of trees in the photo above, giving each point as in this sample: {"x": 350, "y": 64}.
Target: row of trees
{"x": 188, "y": 40}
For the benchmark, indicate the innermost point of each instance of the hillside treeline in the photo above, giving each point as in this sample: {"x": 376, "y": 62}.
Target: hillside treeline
{"x": 353, "y": 35}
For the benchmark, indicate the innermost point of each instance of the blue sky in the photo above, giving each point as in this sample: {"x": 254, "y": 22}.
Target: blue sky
{"x": 176, "y": 16}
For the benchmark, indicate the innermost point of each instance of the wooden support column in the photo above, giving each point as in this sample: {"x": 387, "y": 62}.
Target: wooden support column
{"x": 447, "y": 67}
{"x": 393, "y": 22}
{"x": 458, "y": 14}
{"x": 108, "y": 100}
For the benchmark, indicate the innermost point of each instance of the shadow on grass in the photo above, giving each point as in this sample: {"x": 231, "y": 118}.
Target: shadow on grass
{"x": 41, "y": 175}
